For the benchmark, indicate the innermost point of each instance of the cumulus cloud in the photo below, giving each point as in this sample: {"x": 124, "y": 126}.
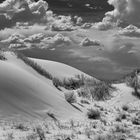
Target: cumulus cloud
{"x": 14, "y": 39}
{"x": 62, "y": 23}
{"x": 104, "y": 25}
{"x": 56, "y": 40}
{"x": 99, "y": 59}
{"x": 86, "y": 25}
{"x": 131, "y": 31}
{"x": 125, "y": 12}
{"x": 40, "y": 40}
{"x": 12, "y": 11}
{"x": 86, "y": 42}
{"x": 17, "y": 12}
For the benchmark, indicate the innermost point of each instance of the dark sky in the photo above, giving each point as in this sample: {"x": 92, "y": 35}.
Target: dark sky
{"x": 78, "y": 5}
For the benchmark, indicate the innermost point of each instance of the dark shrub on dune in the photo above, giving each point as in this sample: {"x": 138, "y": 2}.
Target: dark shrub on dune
{"x": 102, "y": 91}
{"x": 94, "y": 114}
{"x": 2, "y": 57}
{"x": 69, "y": 83}
{"x": 134, "y": 82}
{"x": 98, "y": 91}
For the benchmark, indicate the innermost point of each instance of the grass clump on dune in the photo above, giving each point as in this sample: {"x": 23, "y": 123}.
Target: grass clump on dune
{"x": 69, "y": 83}
{"x": 98, "y": 91}
{"x": 70, "y": 97}
{"x": 2, "y": 57}
{"x": 134, "y": 82}
{"x": 102, "y": 91}
{"x": 94, "y": 114}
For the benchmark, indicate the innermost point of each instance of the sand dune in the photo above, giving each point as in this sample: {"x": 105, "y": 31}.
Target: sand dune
{"x": 23, "y": 91}
{"x": 59, "y": 70}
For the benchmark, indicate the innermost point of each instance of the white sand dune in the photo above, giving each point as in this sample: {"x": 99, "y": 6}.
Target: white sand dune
{"x": 23, "y": 91}
{"x": 122, "y": 96}
{"x": 59, "y": 70}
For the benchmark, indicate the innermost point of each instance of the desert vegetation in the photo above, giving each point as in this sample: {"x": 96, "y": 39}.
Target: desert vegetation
{"x": 70, "y": 97}
{"x": 70, "y": 83}
{"x": 94, "y": 114}
{"x": 2, "y": 57}
{"x": 132, "y": 80}
{"x": 95, "y": 127}
{"x": 96, "y": 90}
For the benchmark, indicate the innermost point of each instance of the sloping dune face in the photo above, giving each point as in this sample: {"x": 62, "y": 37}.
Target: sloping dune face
{"x": 25, "y": 92}
{"x": 59, "y": 70}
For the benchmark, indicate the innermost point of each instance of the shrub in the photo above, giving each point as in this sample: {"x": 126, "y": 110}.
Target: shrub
{"x": 21, "y": 127}
{"x": 136, "y": 120}
{"x": 125, "y": 107}
{"x": 70, "y": 97}
{"x": 2, "y": 57}
{"x": 84, "y": 92}
{"x": 94, "y": 114}
{"x": 84, "y": 102}
{"x": 96, "y": 90}
{"x": 40, "y": 133}
{"x": 57, "y": 82}
{"x": 101, "y": 91}
{"x": 70, "y": 83}
{"x": 121, "y": 117}
{"x": 120, "y": 129}
{"x": 133, "y": 81}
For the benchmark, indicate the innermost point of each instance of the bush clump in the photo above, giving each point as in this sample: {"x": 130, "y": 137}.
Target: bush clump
{"x": 2, "y": 57}
{"x": 70, "y": 97}
{"x": 102, "y": 91}
{"x": 136, "y": 120}
{"x": 133, "y": 81}
{"x": 125, "y": 107}
{"x": 70, "y": 83}
{"x": 94, "y": 114}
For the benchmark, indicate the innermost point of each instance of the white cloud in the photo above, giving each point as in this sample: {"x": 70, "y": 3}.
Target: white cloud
{"x": 36, "y": 38}
{"x": 62, "y": 23}
{"x": 99, "y": 59}
{"x": 132, "y": 52}
{"x": 57, "y": 40}
{"x": 14, "y": 39}
{"x": 87, "y": 25}
{"x": 125, "y": 12}
{"x": 131, "y": 31}
{"x": 12, "y": 11}
{"x": 39, "y": 40}
{"x": 104, "y": 25}
{"x": 86, "y": 42}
